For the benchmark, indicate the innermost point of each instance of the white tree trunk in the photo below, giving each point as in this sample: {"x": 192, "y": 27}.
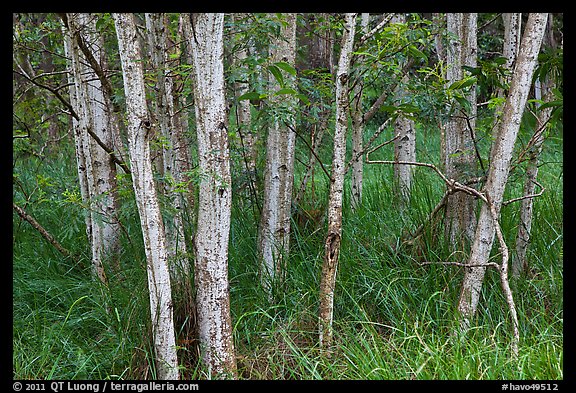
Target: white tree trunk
{"x": 519, "y": 262}
{"x": 405, "y": 143}
{"x": 243, "y": 112}
{"x": 334, "y": 236}
{"x": 501, "y": 156}
{"x": 100, "y": 174}
{"x": 460, "y": 159}
{"x": 139, "y": 133}
{"x": 404, "y": 150}
{"x": 213, "y": 230}
{"x": 79, "y": 129}
{"x": 357, "y": 133}
{"x": 174, "y": 150}
{"x": 274, "y": 229}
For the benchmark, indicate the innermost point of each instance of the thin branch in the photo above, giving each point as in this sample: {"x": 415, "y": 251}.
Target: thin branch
{"x": 454, "y": 186}
{"x": 369, "y": 143}
{"x": 542, "y": 189}
{"x": 108, "y": 150}
{"x": 375, "y": 30}
{"x": 310, "y": 148}
{"x": 41, "y": 229}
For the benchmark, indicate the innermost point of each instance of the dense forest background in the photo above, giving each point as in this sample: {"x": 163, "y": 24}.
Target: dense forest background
{"x": 330, "y": 259}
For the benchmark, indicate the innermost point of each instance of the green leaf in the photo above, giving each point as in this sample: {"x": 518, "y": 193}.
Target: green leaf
{"x": 286, "y": 67}
{"x": 461, "y": 84}
{"x": 552, "y": 104}
{"x": 417, "y": 52}
{"x": 277, "y": 74}
{"x": 303, "y": 98}
{"x": 250, "y": 96}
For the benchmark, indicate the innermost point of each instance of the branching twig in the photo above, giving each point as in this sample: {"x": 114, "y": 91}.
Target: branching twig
{"x": 503, "y": 267}
{"x": 369, "y": 143}
{"x": 310, "y": 148}
{"x": 542, "y": 189}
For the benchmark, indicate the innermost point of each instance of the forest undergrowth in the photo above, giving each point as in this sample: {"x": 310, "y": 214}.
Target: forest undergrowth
{"x": 394, "y": 317}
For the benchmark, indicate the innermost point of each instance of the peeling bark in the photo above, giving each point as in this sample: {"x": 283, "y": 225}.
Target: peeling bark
{"x": 139, "y": 133}
{"x": 274, "y": 228}
{"x": 333, "y": 237}
{"x": 460, "y": 161}
{"x": 215, "y": 197}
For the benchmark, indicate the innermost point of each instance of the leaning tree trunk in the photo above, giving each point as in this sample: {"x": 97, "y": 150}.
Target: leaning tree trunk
{"x": 334, "y": 236}
{"x": 215, "y": 197}
{"x": 460, "y": 159}
{"x": 501, "y": 155}
{"x": 542, "y": 91}
{"x": 274, "y": 229}
{"x": 139, "y": 134}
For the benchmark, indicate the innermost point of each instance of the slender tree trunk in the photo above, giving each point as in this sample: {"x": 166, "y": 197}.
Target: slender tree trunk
{"x": 100, "y": 173}
{"x": 139, "y": 134}
{"x": 519, "y": 261}
{"x": 174, "y": 149}
{"x": 215, "y": 201}
{"x": 405, "y": 142}
{"x": 460, "y": 159}
{"x": 404, "y": 150}
{"x": 79, "y": 129}
{"x": 501, "y": 155}
{"x": 316, "y": 36}
{"x": 274, "y": 229}
{"x": 243, "y": 111}
{"x": 334, "y": 236}
{"x": 357, "y": 133}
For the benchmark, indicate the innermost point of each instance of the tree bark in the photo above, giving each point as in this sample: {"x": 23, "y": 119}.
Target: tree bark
{"x": 542, "y": 91}
{"x": 357, "y": 133}
{"x": 243, "y": 111}
{"x": 274, "y": 229}
{"x": 213, "y": 229}
{"x": 139, "y": 134}
{"x": 334, "y": 235}
{"x": 460, "y": 160}
{"x": 175, "y": 157}
{"x": 100, "y": 170}
{"x": 501, "y": 155}
{"x": 404, "y": 143}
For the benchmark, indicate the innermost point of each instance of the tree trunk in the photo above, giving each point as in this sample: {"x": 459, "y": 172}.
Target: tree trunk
{"x": 404, "y": 150}
{"x": 243, "y": 111}
{"x": 333, "y": 238}
{"x": 139, "y": 134}
{"x": 100, "y": 170}
{"x": 215, "y": 201}
{"x": 501, "y": 155}
{"x": 174, "y": 148}
{"x": 274, "y": 229}
{"x": 405, "y": 142}
{"x": 357, "y": 133}
{"x": 542, "y": 91}
{"x": 460, "y": 159}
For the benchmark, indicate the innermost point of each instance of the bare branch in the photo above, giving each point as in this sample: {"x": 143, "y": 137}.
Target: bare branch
{"x": 542, "y": 189}
{"x": 41, "y": 229}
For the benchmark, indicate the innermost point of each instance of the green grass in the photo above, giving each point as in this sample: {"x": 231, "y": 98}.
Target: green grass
{"x": 394, "y": 319}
